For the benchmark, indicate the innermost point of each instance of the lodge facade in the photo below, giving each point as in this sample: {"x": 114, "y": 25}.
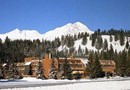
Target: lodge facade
{"x": 108, "y": 66}
{"x": 31, "y": 66}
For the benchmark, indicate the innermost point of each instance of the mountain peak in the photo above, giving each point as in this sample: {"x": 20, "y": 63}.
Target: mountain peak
{"x": 68, "y": 24}
{"x": 68, "y": 29}
{"x": 81, "y": 25}
{"x": 78, "y": 23}
{"x": 14, "y": 31}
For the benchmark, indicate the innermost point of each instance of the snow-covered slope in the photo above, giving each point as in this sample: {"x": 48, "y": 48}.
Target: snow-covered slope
{"x": 68, "y": 29}
{"x": 116, "y": 44}
{"x": 24, "y": 34}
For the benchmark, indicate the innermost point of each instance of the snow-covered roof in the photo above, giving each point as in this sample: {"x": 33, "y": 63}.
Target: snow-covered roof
{"x": 84, "y": 60}
{"x": 35, "y": 60}
{"x": 4, "y": 64}
{"x": 27, "y": 63}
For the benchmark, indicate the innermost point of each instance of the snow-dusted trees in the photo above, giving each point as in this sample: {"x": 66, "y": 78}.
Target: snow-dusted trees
{"x": 69, "y": 41}
{"x": 97, "y": 70}
{"x": 80, "y": 52}
{"x": 99, "y": 42}
{"x": 105, "y": 44}
{"x": 122, "y": 37}
{"x": 93, "y": 37}
{"x": 116, "y": 37}
{"x": 127, "y": 44}
{"x": 39, "y": 71}
{"x": 94, "y": 66}
{"x": 67, "y": 72}
{"x": 111, "y": 39}
{"x": 84, "y": 38}
{"x": 90, "y": 65}
{"x": 111, "y": 52}
{"x": 53, "y": 73}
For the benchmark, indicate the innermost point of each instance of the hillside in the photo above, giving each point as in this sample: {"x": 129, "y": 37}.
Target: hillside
{"x": 70, "y": 30}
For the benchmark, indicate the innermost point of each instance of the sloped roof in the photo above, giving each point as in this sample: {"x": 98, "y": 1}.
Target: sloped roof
{"x": 83, "y": 60}
{"x": 107, "y": 62}
{"x": 27, "y": 63}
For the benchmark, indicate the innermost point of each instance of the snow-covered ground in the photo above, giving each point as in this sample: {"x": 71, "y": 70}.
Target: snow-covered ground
{"x": 116, "y": 85}
{"x": 86, "y": 84}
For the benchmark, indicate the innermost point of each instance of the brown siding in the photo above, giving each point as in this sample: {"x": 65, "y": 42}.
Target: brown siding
{"x": 46, "y": 63}
{"x": 30, "y": 59}
{"x": 108, "y": 65}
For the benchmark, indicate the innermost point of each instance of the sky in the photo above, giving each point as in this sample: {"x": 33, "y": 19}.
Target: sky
{"x": 45, "y": 15}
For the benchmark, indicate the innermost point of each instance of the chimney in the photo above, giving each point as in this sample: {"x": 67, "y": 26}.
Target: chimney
{"x": 48, "y": 56}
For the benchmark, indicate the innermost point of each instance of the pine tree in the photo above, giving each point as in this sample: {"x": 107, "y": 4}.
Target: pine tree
{"x": 79, "y": 36}
{"x": 86, "y": 51}
{"x": 69, "y": 41}
{"x": 111, "y": 52}
{"x": 104, "y": 55}
{"x": 10, "y": 71}
{"x": 94, "y": 67}
{"x": 80, "y": 51}
{"x": 105, "y": 45}
{"x": 97, "y": 69}
{"x": 67, "y": 72}
{"x": 39, "y": 71}
{"x": 123, "y": 63}
{"x": 99, "y": 42}
{"x": 111, "y": 39}
{"x": 62, "y": 40}
{"x": 116, "y": 37}
{"x": 71, "y": 50}
{"x": 75, "y": 37}
{"x": 1, "y": 72}
{"x": 122, "y": 38}
{"x": 52, "y": 74}
{"x": 84, "y": 40}
{"x": 93, "y": 40}
{"x": 90, "y": 65}
{"x": 127, "y": 45}
{"x": 128, "y": 67}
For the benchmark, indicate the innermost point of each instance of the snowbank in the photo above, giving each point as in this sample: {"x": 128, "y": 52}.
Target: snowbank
{"x": 111, "y": 85}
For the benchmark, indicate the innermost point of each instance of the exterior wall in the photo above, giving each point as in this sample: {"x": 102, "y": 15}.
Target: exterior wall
{"x": 76, "y": 65}
{"x": 46, "y": 65}
{"x": 30, "y": 59}
{"x": 21, "y": 68}
{"x": 33, "y": 66}
{"x": 108, "y": 66}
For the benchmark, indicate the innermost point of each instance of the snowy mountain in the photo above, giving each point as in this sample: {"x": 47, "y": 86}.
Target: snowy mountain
{"x": 24, "y": 34}
{"x": 68, "y": 29}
